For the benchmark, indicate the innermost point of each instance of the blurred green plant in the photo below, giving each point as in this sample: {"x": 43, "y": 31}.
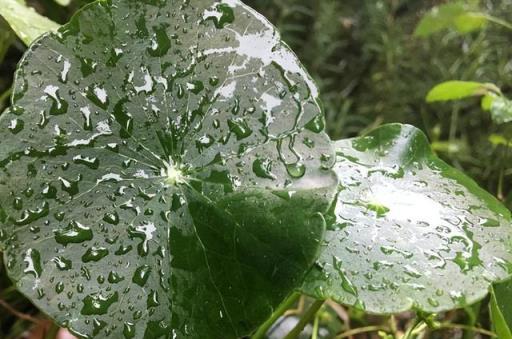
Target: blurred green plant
{"x": 460, "y": 16}
{"x": 493, "y": 100}
{"x": 25, "y": 21}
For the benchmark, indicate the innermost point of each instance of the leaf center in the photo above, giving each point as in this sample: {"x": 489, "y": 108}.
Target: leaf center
{"x": 173, "y": 175}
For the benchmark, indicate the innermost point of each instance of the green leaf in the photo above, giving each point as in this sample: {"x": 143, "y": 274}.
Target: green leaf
{"x": 6, "y": 39}
{"x": 456, "y": 90}
{"x": 501, "y": 309}
{"x": 163, "y": 171}
{"x": 487, "y": 101}
{"x": 470, "y": 21}
{"x": 436, "y": 242}
{"x": 25, "y": 21}
{"x": 458, "y": 16}
{"x": 497, "y": 139}
{"x": 438, "y": 19}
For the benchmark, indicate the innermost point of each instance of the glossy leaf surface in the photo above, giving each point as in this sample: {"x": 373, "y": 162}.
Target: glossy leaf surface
{"x": 163, "y": 170}
{"x": 409, "y": 231}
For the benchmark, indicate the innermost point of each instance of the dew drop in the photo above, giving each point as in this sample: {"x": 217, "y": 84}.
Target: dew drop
{"x": 296, "y": 170}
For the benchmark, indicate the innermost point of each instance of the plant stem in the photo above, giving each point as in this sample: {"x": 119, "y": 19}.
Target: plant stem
{"x": 465, "y": 328}
{"x": 417, "y": 327}
{"x": 17, "y": 313}
{"x": 305, "y": 319}
{"x": 315, "y": 327}
{"x": 285, "y": 305}
{"x": 498, "y": 21}
{"x": 362, "y": 330}
{"x": 52, "y": 331}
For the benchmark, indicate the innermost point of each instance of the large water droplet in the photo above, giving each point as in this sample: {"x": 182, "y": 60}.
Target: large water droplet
{"x": 97, "y": 304}
{"x": 73, "y": 233}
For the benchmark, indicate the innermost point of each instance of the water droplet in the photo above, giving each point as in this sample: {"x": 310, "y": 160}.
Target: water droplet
{"x": 153, "y": 299}
{"x": 240, "y": 128}
{"x": 221, "y": 15}
{"x": 16, "y": 126}
{"x": 296, "y": 170}
{"x": 160, "y": 42}
{"x": 263, "y": 168}
{"x": 33, "y": 263}
{"x": 92, "y": 163}
{"x": 129, "y": 330}
{"x": 59, "y": 106}
{"x": 94, "y": 254}
{"x": 111, "y": 218}
{"x": 141, "y": 275}
{"x": 62, "y": 263}
{"x": 97, "y": 304}
{"x": 73, "y": 233}
{"x": 317, "y": 124}
{"x": 114, "y": 277}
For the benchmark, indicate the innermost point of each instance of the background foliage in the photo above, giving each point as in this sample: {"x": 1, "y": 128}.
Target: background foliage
{"x": 371, "y": 70}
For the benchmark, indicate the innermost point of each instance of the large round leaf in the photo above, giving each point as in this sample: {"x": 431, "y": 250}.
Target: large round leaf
{"x": 163, "y": 171}
{"x": 409, "y": 230}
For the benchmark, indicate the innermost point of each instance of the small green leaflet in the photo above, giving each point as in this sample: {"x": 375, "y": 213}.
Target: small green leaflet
{"x": 164, "y": 171}
{"x": 456, "y": 15}
{"x": 492, "y": 101}
{"x": 456, "y": 90}
{"x": 25, "y": 21}
{"x": 408, "y": 231}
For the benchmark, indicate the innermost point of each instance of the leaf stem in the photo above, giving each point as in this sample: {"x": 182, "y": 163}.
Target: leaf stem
{"x": 498, "y": 21}
{"x": 285, "y": 305}
{"x": 417, "y": 327}
{"x": 361, "y": 330}
{"x": 305, "y": 319}
{"x": 315, "y": 327}
{"x": 18, "y": 314}
{"x": 52, "y": 331}
{"x": 465, "y": 328}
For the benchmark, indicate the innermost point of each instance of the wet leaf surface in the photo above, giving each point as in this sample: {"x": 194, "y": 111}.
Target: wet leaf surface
{"x": 408, "y": 230}
{"x": 163, "y": 170}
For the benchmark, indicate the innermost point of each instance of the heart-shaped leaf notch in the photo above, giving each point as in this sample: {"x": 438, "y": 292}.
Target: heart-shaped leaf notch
{"x": 163, "y": 171}
{"x": 409, "y": 231}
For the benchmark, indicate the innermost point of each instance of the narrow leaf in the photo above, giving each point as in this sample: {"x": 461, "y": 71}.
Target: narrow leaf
{"x": 25, "y": 21}
{"x": 455, "y": 90}
{"x": 439, "y": 18}
{"x": 470, "y": 21}
{"x": 408, "y": 231}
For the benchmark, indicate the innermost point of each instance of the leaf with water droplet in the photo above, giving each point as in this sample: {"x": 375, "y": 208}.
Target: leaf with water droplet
{"x": 167, "y": 165}
{"x": 407, "y": 230}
